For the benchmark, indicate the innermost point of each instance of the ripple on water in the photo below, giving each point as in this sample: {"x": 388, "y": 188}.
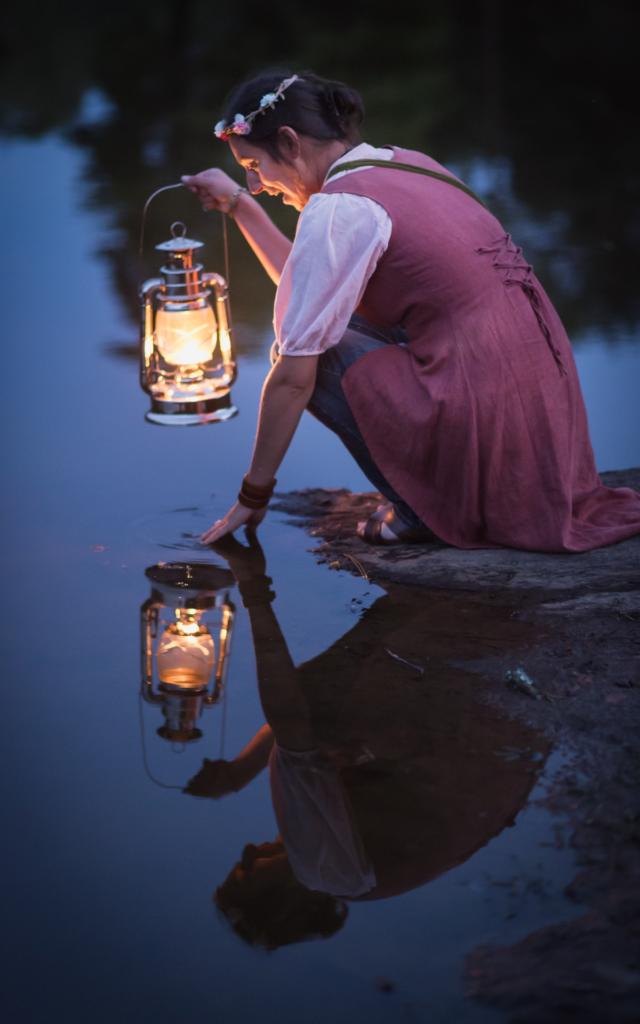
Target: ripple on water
{"x": 176, "y": 529}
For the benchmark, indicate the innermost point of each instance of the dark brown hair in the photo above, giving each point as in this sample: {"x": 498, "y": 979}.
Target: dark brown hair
{"x": 316, "y": 107}
{"x": 279, "y": 911}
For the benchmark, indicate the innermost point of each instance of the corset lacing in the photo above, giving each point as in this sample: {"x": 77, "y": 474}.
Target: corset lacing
{"x": 508, "y": 258}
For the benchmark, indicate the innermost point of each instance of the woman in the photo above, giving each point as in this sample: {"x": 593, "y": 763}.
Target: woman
{"x": 454, "y": 386}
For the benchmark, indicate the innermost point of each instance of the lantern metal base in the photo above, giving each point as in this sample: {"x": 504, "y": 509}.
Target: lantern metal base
{"x": 191, "y": 413}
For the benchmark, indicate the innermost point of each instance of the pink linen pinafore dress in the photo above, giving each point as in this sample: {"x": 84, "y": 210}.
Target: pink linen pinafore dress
{"x": 479, "y": 422}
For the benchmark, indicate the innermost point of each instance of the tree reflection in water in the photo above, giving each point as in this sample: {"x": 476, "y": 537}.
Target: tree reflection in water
{"x": 532, "y": 102}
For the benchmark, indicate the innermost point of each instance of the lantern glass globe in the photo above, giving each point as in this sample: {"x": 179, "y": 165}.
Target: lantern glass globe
{"x": 186, "y": 337}
{"x": 186, "y": 652}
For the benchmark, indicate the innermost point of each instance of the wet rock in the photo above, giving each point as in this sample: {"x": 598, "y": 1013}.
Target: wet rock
{"x": 332, "y": 516}
{"x": 624, "y": 603}
{"x": 583, "y": 968}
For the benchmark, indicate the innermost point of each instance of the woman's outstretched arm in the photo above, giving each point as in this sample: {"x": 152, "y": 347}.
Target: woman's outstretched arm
{"x": 283, "y": 701}
{"x": 216, "y": 191}
{"x": 285, "y": 395}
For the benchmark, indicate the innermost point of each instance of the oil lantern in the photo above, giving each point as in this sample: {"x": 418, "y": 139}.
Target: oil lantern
{"x": 186, "y": 629}
{"x": 187, "y": 361}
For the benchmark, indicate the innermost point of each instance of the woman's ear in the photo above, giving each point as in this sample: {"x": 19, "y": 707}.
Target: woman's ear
{"x": 289, "y": 143}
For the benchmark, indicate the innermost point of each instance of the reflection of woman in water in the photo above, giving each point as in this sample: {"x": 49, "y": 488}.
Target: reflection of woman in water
{"x": 455, "y": 387}
{"x": 371, "y": 798}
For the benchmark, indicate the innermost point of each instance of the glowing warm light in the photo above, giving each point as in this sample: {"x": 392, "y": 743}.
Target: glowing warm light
{"x": 186, "y": 652}
{"x": 188, "y": 621}
{"x": 225, "y": 345}
{"x": 148, "y": 333}
{"x": 148, "y": 347}
{"x": 186, "y": 337}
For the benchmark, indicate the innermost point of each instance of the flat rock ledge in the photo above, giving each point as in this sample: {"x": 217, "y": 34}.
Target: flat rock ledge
{"x": 332, "y": 516}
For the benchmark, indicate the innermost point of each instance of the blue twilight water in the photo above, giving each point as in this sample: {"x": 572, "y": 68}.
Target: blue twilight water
{"x": 109, "y": 905}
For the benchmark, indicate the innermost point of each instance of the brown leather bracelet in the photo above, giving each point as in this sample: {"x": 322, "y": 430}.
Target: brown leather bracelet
{"x": 248, "y": 502}
{"x": 258, "y": 489}
{"x": 255, "y": 495}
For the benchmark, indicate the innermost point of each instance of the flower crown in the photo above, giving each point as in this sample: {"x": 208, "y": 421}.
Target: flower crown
{"x": 241, "y": 124}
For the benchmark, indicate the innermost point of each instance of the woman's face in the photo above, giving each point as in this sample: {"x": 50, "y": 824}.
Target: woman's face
{"x": 264, "y": 174}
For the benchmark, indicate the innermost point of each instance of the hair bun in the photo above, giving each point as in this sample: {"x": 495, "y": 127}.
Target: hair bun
{"x": 345, "y": 104}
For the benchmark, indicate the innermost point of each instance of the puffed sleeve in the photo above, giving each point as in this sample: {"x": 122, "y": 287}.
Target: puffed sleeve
{"x": 338, "y": 243}
{"x": 317, "y": 825}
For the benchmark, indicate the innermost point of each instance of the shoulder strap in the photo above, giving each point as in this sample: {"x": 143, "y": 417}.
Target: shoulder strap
{"x": 399, "y": 166}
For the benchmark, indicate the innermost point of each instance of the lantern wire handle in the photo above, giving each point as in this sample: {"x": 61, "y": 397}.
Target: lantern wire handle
{"x": 145, "y": 759}
{"x": 225, "y": 246}
{"x": 225, "y": 232}
{"x": 157, "y": 192}
{"x": 223, "y": 726}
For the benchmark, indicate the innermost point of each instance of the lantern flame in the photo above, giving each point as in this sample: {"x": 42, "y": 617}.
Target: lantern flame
{"x": 186, "y": 337}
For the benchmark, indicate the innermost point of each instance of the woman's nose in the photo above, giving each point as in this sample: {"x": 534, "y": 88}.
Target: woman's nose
{"x": 253, "y": 183}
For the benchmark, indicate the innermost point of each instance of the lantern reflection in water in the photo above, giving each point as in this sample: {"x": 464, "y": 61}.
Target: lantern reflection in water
{"x": 186, "y": 630}
{"x": 187, "y": 361}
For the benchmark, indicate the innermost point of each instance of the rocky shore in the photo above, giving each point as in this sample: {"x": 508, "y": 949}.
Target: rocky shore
{"x": 572, "y": 623}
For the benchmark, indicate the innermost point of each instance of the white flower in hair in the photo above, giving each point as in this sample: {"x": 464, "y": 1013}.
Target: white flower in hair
{"x": 241, "y": 125}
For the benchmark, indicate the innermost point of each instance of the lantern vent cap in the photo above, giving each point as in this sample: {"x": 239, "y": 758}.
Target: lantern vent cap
{"x": 179, "y": 242}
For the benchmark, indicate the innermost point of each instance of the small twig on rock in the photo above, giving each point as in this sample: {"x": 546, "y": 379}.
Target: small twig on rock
{"x": 403, "y": 661}
{"x": 359, "y": 566}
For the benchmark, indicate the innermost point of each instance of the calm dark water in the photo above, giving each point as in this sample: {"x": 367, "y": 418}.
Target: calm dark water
{"x": 109, "y": 911}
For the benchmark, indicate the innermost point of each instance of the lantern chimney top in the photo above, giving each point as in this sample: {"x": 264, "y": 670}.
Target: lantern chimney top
{"x": 179, "y": 242}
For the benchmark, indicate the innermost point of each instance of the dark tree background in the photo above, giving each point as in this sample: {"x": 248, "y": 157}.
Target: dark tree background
{"x": 534, "y": 103}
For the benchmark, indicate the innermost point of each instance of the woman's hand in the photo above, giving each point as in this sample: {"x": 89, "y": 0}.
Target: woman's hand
{"x": 214, "y": 188}
{"x": 215, "y": 779}
{"x": 236, "y": 517}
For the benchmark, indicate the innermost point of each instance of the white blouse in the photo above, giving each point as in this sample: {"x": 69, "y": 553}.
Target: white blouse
{"x": 338, "y": 242}
{"x": 316, "y": 822}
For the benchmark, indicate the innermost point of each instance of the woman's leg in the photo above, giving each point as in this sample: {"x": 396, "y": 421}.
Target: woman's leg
{"x": 329, "y": 405}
